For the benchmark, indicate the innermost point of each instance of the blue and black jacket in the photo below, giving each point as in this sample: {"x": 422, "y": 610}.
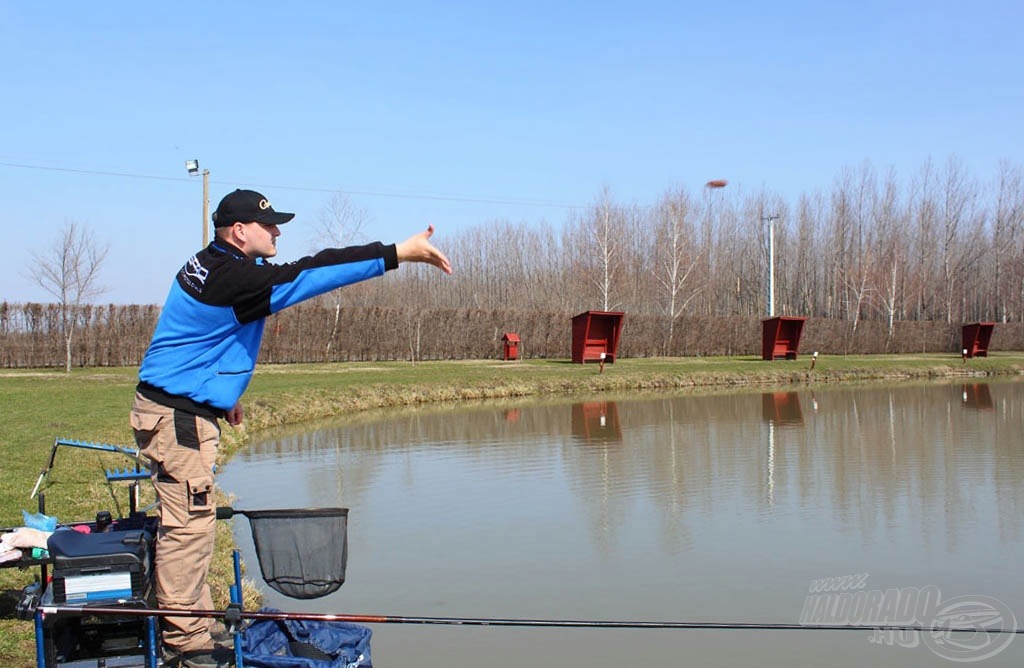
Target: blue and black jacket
{"x": 207, "y": 339}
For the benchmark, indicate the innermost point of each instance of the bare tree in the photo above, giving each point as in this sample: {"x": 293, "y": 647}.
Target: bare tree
{"x": 734, "y": 272}
{"x": 806, "y": 266}
{"x": 864, "y": 198}
{"x": 1008, "y": 227}
{"x": 599, "y": 237}
{"x": 676, "y": 258}
{"x": 68, "y": 270}
{"x": 962, "y": 224}
{"x": 922, "y": 254}
{"x": 889, "y": 230}
{"x": 339, "y": 223}
{"x": 414, "y": 321}
{"x": 839, "y": 248}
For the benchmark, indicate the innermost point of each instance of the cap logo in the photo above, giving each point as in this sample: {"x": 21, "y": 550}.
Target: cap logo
{"x": 264, "y": 204}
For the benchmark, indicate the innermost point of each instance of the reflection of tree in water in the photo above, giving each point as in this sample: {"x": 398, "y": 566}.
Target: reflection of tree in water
{"x": 674, "y": 530}
{"x": 334, "y": 472}
{"x": 666, "y": 467}
{"x": 879, "y": 461}
{"x": 911, "y": 458}
{"x": 593, "y": 462}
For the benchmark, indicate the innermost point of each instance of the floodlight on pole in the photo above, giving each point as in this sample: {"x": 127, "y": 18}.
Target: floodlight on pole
{"x": 193, "y": 168}
{"x": 770, "y": 219}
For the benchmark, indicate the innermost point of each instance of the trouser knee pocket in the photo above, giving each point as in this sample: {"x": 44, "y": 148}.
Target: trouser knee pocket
{"x": 182, "y": 503}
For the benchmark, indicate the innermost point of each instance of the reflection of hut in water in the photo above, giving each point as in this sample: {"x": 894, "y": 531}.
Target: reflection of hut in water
{"x": 596, "y": 422}
{"x": 978, "y": 396}
{"x": 781, "y": 408}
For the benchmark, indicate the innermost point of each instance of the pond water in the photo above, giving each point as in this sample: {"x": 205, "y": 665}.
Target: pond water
{"x": 712, "y": 508}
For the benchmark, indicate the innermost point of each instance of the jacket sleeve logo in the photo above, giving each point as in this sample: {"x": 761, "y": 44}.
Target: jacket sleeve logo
{"x": 194, "y": 274}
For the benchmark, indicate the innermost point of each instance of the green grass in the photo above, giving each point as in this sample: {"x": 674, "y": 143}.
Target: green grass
{"x": 92, "y": 405}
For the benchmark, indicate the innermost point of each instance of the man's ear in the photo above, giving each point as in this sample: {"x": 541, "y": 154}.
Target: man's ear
{"x": 237, "y": 234}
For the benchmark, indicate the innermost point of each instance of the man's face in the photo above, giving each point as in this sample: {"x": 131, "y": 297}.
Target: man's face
{"x": 259, "y": 240}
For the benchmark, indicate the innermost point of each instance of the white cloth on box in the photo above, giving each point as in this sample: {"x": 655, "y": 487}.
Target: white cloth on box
{"x": 26, "y": 537}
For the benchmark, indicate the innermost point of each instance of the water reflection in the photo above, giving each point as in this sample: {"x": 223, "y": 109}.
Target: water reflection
{"x": 596, "y": 422}
{"x": 978, "y": 396}
{"x": 870, "y": 457}
{"x": 667, "y": 507}
{"x": 781, "y": 408}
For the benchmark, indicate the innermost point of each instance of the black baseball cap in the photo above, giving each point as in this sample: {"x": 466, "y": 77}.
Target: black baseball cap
{"x": 247, "y": 206}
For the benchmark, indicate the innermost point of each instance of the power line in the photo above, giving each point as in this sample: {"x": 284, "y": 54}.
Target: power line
{"x": 365, "y": 193}
{"x": 91, "y": 171}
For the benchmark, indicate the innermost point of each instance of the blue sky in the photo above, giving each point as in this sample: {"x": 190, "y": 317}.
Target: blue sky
{"x": 458, "y": 114}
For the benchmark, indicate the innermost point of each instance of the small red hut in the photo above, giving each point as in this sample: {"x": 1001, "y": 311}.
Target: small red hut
{"x": 511, "y": 345}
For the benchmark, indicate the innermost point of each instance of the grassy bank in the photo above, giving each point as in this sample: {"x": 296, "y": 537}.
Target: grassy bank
{"x": 92, "y": 405}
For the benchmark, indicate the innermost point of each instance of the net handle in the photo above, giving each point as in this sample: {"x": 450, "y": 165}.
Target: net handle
{"x": 227, "y": 512}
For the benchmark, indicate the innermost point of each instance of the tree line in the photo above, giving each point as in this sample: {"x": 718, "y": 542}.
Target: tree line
{"x": 877, "y": 263}
{"x": 939, "y": 246}
{"x": 111, "y": 335}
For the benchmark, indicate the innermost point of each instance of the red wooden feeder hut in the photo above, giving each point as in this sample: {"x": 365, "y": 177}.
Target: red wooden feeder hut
{"x": 975, "y": 338}
{"x": 780, "y": 337}
{"x": 595, "y": 336}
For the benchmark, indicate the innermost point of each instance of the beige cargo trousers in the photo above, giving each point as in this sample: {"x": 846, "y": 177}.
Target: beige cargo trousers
{"x": 182, "y": 450}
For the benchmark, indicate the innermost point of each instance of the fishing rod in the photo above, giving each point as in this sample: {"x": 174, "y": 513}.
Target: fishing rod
{"x": 233, "y": 615}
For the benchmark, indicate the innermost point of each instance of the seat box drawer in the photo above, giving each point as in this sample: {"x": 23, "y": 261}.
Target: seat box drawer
{"x": 88, "y": 568}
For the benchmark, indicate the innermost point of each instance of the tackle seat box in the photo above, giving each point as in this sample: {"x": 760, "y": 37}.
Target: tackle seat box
{"x": 100, "y": 567}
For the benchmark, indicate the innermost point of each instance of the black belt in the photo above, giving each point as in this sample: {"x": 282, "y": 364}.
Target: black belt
{"x": 178, "y": 402}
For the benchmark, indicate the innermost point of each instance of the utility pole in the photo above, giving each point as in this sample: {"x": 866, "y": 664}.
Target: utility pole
{"x": 206, "y": 208}
{"x": 770, "y": 219}
{"x": 193, "y": 168}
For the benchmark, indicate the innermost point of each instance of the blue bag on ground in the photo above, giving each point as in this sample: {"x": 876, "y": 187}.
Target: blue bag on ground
{"x": 39, "y": 521}
{"x": 297, "y": 643}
